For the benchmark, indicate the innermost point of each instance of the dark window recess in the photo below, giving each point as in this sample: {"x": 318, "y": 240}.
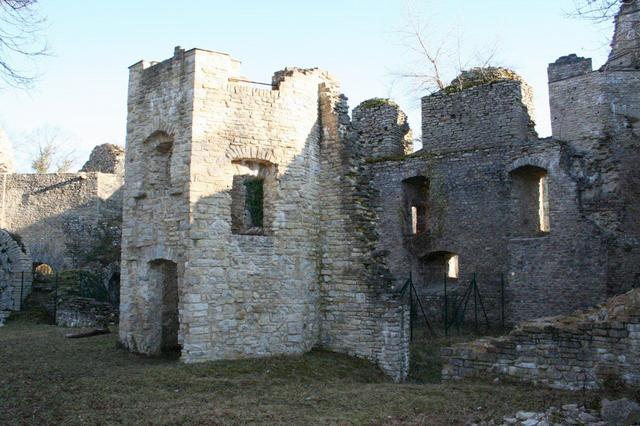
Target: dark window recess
{"x": 416, "y": 196}
{"x": 254, "y": 203}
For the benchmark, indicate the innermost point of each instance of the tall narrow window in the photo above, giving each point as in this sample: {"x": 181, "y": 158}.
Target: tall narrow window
{"x": 530, "y": 201}
{"x": 158, "y": 149}
{"x": 453, "y": 267}
{"x": 416, "y": 195}
{"x": 252, "y": 194}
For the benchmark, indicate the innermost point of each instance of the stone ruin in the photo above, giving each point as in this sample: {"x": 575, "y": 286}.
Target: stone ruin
{"x": 589, "y": 349}
{"x": 105, "y": 158}
{"x": 262, "y": 219}
{"x": 58, "y": 220}
{"x": 57, "y": 215}
{"x": 15, "y": 273}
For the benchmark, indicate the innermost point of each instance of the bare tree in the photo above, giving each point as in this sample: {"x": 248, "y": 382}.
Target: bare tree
{"x": 599, "y": 10}
{"x": 625, "y": 45}
{"x": 435, "y": 59}
{"x": 20, "y": 29}
{"x": 50, "y": 154}
{"x": 44, "y": 158}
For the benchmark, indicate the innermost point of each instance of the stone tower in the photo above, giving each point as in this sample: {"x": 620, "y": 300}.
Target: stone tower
{"x": 245, "y": 229}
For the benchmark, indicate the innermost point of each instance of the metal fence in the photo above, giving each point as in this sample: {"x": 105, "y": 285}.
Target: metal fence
{"x": 472, "y": 305}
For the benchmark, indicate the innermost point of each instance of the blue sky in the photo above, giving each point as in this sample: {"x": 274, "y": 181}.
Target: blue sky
{"x": 83, "y": 85}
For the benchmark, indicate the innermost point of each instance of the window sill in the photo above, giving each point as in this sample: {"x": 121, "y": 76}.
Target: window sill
{"x": 531, "y": 238}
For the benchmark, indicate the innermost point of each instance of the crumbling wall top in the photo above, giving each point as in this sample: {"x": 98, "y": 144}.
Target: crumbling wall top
{"x": 568, "y": 66}
{"x": 382, "y": 128}
{"x": 105, "y": 158}
{"x": 625, "y": 45}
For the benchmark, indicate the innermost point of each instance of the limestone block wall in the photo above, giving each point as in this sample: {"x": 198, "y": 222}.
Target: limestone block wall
{"x": 564, "y": 269}
{"x": 15, "y": 273}
{"x": 253, "y": 295}
{"x": 300, "y": 278}
{"x": 54, "y": 211}
{"x": 361, "y": 313}
{"x": 597, "y": 113}
{"x": 586, "y": 350}
{"x": 472, "y": 212}
{"x": 156, "y": 195}
{"x": 386, "y": 127}
{"x": 105, "y": 158}
{"x": 492, "y": 113}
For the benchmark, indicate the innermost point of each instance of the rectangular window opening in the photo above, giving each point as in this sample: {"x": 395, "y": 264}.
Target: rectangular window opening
{"x": 543, "y": 198}
{"x": 453, "y": 267}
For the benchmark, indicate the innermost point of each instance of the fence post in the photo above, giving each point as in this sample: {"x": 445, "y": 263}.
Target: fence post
{"x": 410, "y": 310}
{"x": 502, "y": 299}
{"x": 475, "y": 302}
{"x": 446, "y": 307}
{"x": 55, "y": 299}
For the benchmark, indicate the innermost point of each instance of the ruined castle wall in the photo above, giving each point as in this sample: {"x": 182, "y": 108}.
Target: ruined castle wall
{"x": 564, "y": 269}
{"x": 15, "y": 273}
{"x": 156, "y": 208}
{"x": 491, "y": 114}
{"x": 597, "y": 113}
{"x": 362, "y": 315}
{"x": 587, "y": 350}
{"x": 383, "y": 129}
{"x": 473, "y": 212}
{"x": 57, "y": 213}
{"x": 253, "y": 295}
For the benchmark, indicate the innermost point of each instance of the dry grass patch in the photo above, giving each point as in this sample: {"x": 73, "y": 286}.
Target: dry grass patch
{"x": 47, "y": 379}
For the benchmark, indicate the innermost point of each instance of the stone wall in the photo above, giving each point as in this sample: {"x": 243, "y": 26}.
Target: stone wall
{"x": 57, "y": 214}
{"x": 598, "y": 114}
{"x": 473, "y": 211}
{"x": 587, "y": 350}
{"x": 565, "y": 247}
{"x": 15, "y": 273}
{"x": 297, "y": 281}
{"x": 105, "y": 158}
{"x": 84, "y": 312}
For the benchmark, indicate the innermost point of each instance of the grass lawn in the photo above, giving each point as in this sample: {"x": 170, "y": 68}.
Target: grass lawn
{"x": 48, "y": 379}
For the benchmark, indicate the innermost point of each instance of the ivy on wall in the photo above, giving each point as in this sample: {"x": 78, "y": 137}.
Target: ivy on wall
{"x": 254, "y": 195}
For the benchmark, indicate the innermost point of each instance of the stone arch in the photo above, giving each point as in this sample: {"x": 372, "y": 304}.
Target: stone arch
{"x": 252, "y": 153}
{"x": 15, "y": 272}
{"x": 540, "y": 163}
{"x": 156, "y": 125}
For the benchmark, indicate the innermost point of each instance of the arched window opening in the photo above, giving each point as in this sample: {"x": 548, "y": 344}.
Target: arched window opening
{"x": 158, "y": 150}
{"x": 530, "y": 201}
{"x": 416, "y": 197}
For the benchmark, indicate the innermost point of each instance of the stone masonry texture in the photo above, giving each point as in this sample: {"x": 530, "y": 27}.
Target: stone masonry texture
{"x": 586, "y": 350}
{"x": 15, "y": 273}
{"x": 348, "y": 213}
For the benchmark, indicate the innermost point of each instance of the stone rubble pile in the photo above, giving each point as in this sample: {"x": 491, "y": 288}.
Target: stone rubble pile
{"x": 584, "y": 350}
{"x": 622, "y": 412}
